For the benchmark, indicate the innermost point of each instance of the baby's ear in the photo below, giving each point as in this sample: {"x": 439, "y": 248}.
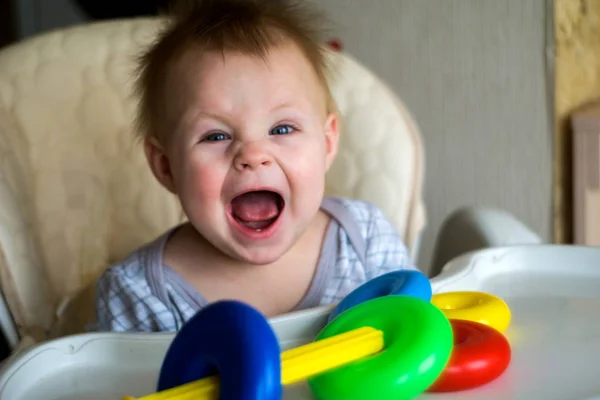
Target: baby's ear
{"x": 159, "y": 163}
{"x": 332, "y": 135}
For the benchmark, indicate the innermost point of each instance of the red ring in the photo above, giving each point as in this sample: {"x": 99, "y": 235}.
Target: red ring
{"x": 480, "y": 355}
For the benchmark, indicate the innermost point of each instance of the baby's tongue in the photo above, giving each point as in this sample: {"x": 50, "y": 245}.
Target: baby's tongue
{"x": 256, "y": 210}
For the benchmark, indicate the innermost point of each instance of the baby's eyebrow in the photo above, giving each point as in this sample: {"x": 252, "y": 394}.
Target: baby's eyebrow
{"x": 298, "y": 105}
{"x": 193, "y": 116}
{"x": 285, "y": 104}
{"x": 201, "y": 112}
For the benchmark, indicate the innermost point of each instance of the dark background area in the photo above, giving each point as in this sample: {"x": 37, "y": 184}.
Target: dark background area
{"x": 8, "y": 28}
{"x": 110, "y": 9}
{"x": 22, "y": 18}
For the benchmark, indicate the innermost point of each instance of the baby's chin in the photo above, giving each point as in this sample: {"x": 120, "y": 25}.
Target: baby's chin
{"x": 258, "y": 256}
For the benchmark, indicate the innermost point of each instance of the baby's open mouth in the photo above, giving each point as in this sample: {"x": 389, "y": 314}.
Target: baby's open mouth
{"x": 257, "y": 210}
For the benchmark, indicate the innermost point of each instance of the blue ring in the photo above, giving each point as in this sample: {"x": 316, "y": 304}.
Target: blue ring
{"x": 402, "y": 282}
{"x": 232, "y": 339}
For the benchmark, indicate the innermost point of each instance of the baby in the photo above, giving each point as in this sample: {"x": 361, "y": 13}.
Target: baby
{"x": 239, "y": 123}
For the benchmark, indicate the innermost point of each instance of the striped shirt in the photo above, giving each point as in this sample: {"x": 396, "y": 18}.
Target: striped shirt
{"x": 142, "y": 294}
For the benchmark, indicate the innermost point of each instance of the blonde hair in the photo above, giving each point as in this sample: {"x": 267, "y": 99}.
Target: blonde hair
{"x": 247, "y": 26}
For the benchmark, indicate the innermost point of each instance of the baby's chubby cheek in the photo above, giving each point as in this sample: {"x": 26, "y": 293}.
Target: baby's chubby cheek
{"x": 201, "y": 184}
{"x": 308, "y": 172}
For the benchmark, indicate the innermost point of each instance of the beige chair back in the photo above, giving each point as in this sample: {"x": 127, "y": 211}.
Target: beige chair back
{"x": 76, "y": 194}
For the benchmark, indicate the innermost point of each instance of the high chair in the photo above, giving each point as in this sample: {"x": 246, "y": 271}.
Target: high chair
{"x": 76, "y": 194}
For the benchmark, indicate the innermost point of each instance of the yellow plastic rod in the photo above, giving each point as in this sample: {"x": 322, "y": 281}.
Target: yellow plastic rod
{"x": 296, "y": 364}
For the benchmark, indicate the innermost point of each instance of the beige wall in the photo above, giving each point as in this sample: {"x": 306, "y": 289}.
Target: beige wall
{"x": 473, "y": 74}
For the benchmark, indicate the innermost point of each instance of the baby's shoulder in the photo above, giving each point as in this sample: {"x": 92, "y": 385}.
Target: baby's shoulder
{"x": 364, "y": 214}
{"x": 130, "y": 267}
{"x": 131, "y": 271}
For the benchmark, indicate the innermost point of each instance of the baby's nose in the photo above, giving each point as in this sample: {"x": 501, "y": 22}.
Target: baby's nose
{"x": 252, "y": 156}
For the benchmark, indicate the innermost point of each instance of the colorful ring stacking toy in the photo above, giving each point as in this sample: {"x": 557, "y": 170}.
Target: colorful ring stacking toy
{"x": 402, "y": 282}
{"x": 474, "y": 306}
{"x": 480, "y": 354}
{"x": 418, "y": 344}
{"x": 234, "y": 339}
{"x": 388, "y": 339}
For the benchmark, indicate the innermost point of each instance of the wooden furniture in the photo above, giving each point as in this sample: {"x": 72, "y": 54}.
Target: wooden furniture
{"x": 586, "y": 175}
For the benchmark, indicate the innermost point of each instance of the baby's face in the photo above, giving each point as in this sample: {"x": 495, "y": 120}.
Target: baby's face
{"x": 250, "y": 143}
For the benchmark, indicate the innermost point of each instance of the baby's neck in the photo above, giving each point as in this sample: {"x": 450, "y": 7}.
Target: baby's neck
{"x": 273, "y": 288}
{"x": 188, "y": 250}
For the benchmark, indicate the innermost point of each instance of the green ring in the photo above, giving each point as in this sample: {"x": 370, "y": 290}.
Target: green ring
{"x": 418, "y": 341}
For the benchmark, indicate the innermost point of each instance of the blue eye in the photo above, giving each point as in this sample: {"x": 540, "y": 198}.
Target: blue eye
{"x": 215, "y": 137}
{"x": 282, "y": 130}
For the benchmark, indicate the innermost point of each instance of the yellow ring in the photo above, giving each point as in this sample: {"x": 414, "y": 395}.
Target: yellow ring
{"x": 474, "y": 306}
